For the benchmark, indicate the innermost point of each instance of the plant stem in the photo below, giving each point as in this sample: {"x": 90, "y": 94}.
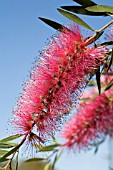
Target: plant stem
{"x": 94, "y": 37}
{"x": 8, "y": 163}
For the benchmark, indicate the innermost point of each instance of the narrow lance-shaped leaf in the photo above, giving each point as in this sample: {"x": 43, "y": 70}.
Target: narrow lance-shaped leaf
{"x": 85, "y": 3}
{"x": 51, "y": 23}
{"x": 3, "y": 152}
{"x": 110, "y": 168}
{"x": 10, "y": 152}
{"x": 49, "y": 148}
{"x": 11, "y": 138}
{"x": 35, "y": 159}
{"x": 6, "y": 145}
{"x": 105, "y": 43}
{"x": 13, "y": 150}
{"x": 92, "y": 83}
{"x": 98, "y": 80}
{"x": 108, "y": 87}
{"x": 100, "y": 8}
{"x": 57, "y": 156}
{"x": 3, "y": 160}
{"x": 16, "y": 162}
{"x": 83, "y": 11}
{"x": 54, "y": 140}
{"x": 54, "y": 162}
{"x": 47, "y": 166}
{"x": 75, "y": 18}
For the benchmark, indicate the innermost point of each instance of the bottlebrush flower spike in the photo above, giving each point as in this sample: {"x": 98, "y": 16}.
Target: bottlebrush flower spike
{"x": 91, "y": 124}
{"x": 56, "y": 81}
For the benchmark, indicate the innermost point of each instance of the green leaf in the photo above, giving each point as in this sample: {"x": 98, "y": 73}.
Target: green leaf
{"x": 108, "y": 87}
{"x": 82, "y": 10}
{"x": 35, "y": 159}
{"x": 84, "y": 99}
{"x": 75, "y": 18}
{"x": 57, "y": 156}
{"x": 92, "y": 83}
{"x": 16, "y": 162}
{"x": 11, "y": 138}
{"x": 100, "y": 8}
{"x": 1, "y": 168}
{"x": 12, "y": 151}
{"x": 48, "y": 148}
{"x": 2, "y": 152}
{"x": 47, "y": 166}
{"x": 3, "y": 160}
{"x": 53, "y": 24}
{"x": 98, "y": 80}
{"x": 54, "y": 162}
{"x": 106, "y": 43}
{"x": 6, "y": 144}
{"x": 85, "y": 3}
{"x": 54, "y": 140}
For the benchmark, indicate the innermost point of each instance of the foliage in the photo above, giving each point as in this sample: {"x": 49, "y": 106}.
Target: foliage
{"x": 9, "y": 149}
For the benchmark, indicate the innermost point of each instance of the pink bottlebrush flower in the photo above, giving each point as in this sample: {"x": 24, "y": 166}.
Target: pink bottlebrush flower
{"x": 106, "y": 79}
{"x": 56, "y": 81}
{"x": 88, "y": 95}
{"x": 91, "y": 124}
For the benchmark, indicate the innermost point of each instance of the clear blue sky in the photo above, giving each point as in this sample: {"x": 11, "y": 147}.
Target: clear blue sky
{"x": 22, "y": 35}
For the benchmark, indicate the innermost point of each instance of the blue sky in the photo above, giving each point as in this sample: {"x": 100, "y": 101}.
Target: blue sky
{"x": 22, "y": 35}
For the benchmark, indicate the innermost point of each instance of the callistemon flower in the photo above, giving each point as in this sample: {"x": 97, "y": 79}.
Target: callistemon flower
{"x": 92, "y": 123}
{"x": 89, "y": 94}
{"x": 55, "y": 83}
